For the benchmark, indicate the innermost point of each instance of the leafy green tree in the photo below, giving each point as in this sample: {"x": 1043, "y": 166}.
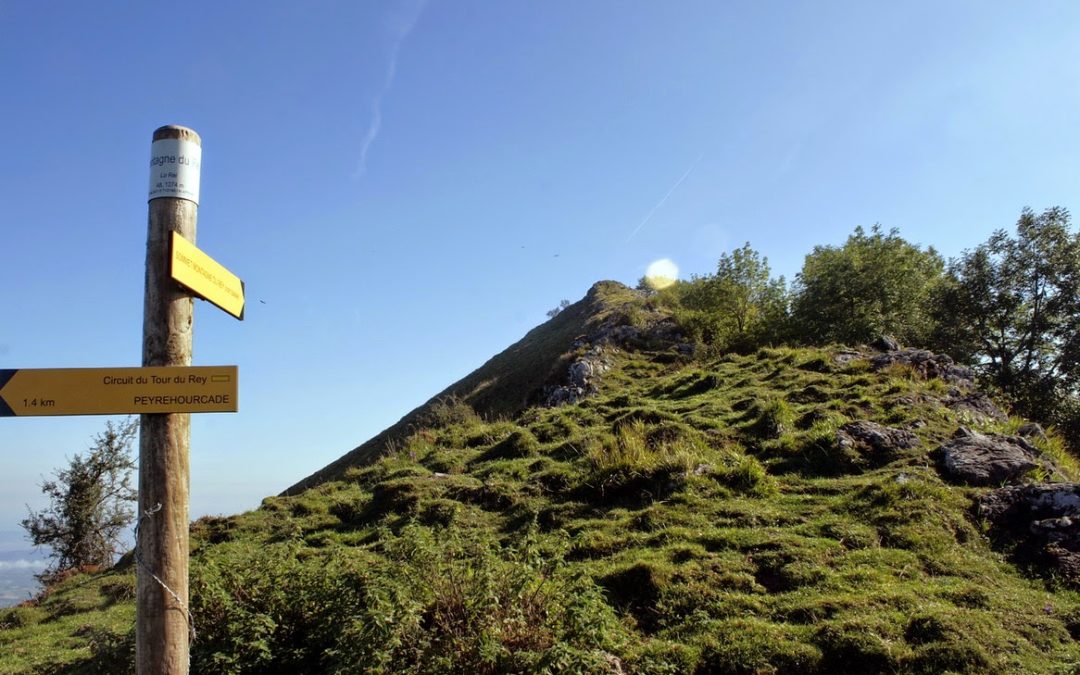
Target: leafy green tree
{"x": 1011, "y": 307}
{"x": 88, "y": 503}
{"x": 741, "y": 306}
{"x": 874, "y": 284}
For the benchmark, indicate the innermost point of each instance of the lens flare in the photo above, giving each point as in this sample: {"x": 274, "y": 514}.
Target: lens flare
{"x": 661, "y": 274}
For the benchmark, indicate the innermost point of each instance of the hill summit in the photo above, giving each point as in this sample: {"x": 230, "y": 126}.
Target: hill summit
{"x": 530, "y": 371}
{"x": 606, "y": 497}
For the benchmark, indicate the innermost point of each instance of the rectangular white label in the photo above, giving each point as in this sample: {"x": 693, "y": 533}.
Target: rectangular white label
{"x": 174, "y": 169}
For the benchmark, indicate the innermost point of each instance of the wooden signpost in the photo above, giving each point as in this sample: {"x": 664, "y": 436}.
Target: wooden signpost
{"x": 174, "y": 268}
{"x": 164, "y": 392}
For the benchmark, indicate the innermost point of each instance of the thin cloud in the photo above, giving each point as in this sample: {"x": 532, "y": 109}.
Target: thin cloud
{"x": 401, "y": 25}
{"x": 23, "y": 564}
{"x": 663, "y": 199}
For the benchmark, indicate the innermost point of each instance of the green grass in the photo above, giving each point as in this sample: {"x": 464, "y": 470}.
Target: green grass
{"x": 691, "y": 517}
{"x": 75, "y": 628}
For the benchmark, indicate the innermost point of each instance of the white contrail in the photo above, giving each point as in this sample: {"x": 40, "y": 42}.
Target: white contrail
{"x": 663, "y": 199}
{"x": 410, "y": 14}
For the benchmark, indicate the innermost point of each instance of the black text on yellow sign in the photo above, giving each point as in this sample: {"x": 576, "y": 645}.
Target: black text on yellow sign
{"x": 117, "y": 391}
{"x": 206, "y": 277}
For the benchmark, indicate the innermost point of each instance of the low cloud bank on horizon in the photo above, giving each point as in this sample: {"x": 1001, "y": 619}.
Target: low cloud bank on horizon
{"x": 23, "y": 564}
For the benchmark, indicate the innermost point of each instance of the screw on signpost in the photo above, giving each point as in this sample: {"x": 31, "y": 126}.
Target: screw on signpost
{"x": 162, "y": 547}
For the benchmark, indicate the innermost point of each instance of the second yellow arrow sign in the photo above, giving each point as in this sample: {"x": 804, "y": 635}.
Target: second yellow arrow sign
{"x": 206, "y": 277}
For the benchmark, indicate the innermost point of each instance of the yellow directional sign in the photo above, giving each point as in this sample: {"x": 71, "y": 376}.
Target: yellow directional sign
{"x": 206, "y": 277}
{"x": 117, "y": 391}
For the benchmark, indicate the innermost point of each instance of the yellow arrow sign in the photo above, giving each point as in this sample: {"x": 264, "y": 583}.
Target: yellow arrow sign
{"x": 206, "y": 277}
{"x": 117, "y": 391}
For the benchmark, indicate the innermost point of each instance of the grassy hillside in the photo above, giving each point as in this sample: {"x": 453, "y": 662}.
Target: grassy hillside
{"x": 696, "y": 515}
{"x": 505, "y": 384}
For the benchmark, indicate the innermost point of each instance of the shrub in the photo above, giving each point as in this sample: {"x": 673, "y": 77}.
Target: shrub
{"x": 262, "y": 609}
{"x": 437, "y": 600}
{"x": 449, "y": 603}
{"x": 448, "y": 411}
{"x": 112, "y": 653}
{"x": 88, "y": 504}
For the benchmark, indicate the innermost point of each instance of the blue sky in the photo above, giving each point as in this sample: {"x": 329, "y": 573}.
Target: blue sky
{"x": 406, "y": 188}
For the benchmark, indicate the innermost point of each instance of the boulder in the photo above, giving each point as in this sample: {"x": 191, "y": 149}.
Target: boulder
{"x": 975, "y": 403}
{"x": 973, "y": 458}
{"x": 1031, "y": 503}
{"x": 843, "y": 357}
{"x": 624, "y": 334}
{"x": 1044, "y": 519}
{"x": 927, "y": 364}
{"x": 580, "y": 372}
{"x": 886, "y": 343}
{"x": 637, "y": 328}
{"x": 562, "y": 395}
{"x": 581, "y": 377}
{"x": 1032, "y": 430}
{"x": 876, "y": 443}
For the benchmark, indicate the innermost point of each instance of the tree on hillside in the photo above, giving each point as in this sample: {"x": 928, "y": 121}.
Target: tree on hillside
{"x": 88, "y": 503}
{"x": 552, "y": 313}
{"x": 872, "y": 285}
{"x": 741, "y": 306}
{"x": 1011, "y": 307}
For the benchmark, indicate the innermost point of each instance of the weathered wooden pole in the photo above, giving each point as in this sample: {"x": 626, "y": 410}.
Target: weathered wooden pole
{"x": 161, "y": 642}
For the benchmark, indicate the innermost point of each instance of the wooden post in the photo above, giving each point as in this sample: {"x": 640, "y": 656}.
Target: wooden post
{"x": 161, "y": 643}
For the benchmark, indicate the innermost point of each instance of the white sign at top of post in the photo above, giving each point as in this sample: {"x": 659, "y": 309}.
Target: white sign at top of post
{"x": 174, "y": 169}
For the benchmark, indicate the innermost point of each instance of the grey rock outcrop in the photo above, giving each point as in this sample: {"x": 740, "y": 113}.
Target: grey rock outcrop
{"x": 1032, "y": 430}
{"x": 876, "y": 443}
{"x": 581, "y": 377}
{"x": 886, "y": 343}
{"x": 927, "y": 364}
{"x": 842, "y": 357}
{"x": 650, "y": 330}
{"x": 987, "y": 459}
{"x": 655, "y": 331}
{"x": 1043, "y": 518}
{"x": 975, "y": 404}
{"x": 580, "y": 372}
